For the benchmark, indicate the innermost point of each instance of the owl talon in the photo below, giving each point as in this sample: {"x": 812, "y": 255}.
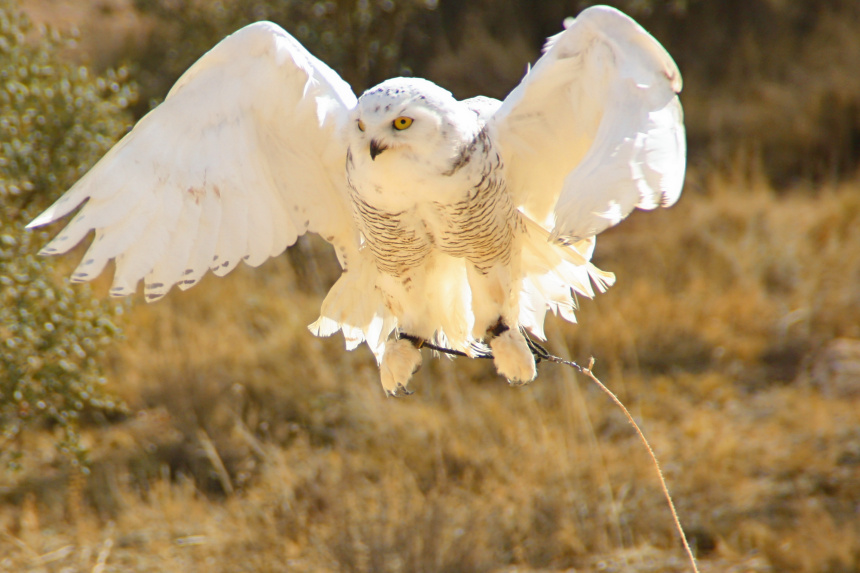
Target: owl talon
{"x": 513, "y": 358}
{"x": 400, "y": 360}
{"x": 399, "y": 392}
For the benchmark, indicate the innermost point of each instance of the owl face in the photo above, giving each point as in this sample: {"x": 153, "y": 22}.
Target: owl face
{"x": 408, "y": 126}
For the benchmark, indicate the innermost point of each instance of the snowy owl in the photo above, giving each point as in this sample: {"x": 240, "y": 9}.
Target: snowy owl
{"x": 458, "y": 223}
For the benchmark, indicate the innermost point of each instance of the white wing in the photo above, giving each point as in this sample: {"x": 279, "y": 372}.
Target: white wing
{"x": 240, "y": 159}
{"x": 595, "y": 129}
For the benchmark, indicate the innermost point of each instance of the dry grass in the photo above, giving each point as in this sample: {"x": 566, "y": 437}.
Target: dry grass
{"x": 256, "y": 447}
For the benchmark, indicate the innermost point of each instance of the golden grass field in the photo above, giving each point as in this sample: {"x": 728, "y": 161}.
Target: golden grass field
{"x": 253, "y": 446}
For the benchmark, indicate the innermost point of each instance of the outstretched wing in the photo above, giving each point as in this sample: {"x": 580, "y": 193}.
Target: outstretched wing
{"x": 595, "y": 129}
{"x": 241, "y": 158}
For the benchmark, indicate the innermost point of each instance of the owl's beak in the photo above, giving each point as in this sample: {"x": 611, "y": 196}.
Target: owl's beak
{"x": 376, "y": 148}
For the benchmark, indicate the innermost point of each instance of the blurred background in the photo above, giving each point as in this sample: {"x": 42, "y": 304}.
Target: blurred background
{"x": 211, "y": 432}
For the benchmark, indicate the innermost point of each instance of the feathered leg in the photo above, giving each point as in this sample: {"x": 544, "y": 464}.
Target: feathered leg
{"x": 495, "y": 301}
{"x": 512, "y": 356}
{"x": 400, "y": 360}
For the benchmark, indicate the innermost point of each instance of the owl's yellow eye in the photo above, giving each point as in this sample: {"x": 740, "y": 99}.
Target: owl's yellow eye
{"x": 360, "y": 125}
{"x": 402, "y": 122}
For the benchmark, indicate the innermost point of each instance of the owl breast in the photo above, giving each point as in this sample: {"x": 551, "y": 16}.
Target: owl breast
{"x": 478, "y": 225}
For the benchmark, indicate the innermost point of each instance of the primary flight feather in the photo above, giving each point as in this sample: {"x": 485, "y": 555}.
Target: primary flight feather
{"x": 457, "y": 222}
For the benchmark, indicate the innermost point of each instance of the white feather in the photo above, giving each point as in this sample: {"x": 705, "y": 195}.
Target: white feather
{"x": 205, "y": 240}
{"x": 170, "y": 268}
{"x": 252, "y": 115}
{"x": 596, "y": 129}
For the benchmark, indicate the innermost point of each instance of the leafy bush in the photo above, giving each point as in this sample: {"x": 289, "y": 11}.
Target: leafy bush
{"x": 56, "y": 119}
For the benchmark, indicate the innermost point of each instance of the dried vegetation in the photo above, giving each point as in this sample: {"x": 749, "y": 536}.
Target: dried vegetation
{"x": 253, "y": 446}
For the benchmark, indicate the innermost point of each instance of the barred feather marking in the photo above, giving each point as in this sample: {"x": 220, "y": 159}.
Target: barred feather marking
{"x": 396, "y": 246}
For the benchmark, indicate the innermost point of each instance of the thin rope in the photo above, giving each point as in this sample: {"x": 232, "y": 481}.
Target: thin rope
{"x": 588, "y": 372}
{"x": 541, "y": 353}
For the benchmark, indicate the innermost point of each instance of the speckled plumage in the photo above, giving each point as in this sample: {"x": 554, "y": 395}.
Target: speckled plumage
{"x": 476, "y": 225}
{"x": 460, "y": 222}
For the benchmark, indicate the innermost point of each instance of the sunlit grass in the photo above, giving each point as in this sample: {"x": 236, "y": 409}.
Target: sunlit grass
{"x": 720, "y": 302}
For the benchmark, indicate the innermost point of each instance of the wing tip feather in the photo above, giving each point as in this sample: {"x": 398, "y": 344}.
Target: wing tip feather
{"x": 324, "y": 326}
{"x": 121, "y": 291}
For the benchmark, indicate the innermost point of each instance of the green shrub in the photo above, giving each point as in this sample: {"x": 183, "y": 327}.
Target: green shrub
{"x": 56, "y": 119}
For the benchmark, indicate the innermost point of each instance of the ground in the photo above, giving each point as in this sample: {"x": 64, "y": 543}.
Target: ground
{"x": 253, "y": 446}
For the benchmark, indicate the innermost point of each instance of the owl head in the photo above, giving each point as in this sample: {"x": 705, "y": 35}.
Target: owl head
{"x": 407, "y": 127}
